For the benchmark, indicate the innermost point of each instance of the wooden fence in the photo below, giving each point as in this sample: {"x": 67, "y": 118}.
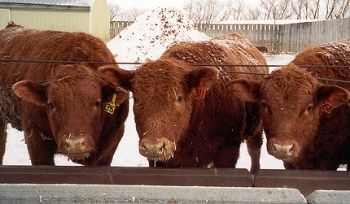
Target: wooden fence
{"x": 276, "y": 37}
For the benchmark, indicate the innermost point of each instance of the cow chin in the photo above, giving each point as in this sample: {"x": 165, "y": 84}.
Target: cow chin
{"x": 157, "y": 149}
{"x": 78, "y": 156}
{"x": 283, "y": 157}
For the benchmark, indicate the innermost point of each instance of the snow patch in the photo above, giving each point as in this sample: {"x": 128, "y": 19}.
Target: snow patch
{"x": 151, "y": 34}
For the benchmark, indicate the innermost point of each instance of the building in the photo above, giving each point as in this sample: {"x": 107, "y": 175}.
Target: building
{"x": 89, "y": 16}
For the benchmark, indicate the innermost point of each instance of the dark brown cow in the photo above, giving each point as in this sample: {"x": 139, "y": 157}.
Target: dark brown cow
{"x": 60, "y": 107}
{"x": 262, "y": 49}
{"x": 185, "y": 115}
{"x": 307, "y": 123}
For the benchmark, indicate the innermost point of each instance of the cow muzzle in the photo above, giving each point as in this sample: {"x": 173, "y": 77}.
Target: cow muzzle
{"x": 76, "y": 148}
{"x": 284, "y": 149}
{"x": 157, "y": 149}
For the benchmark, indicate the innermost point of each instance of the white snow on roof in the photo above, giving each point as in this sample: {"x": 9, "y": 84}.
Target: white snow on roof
{"x": 82, "y": 3}
{"x": 151, "y": 34}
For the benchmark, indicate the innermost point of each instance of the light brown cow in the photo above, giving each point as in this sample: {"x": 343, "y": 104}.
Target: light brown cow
{"x": 307, "y": 123}
{"x": 186, "y": 115}
{"x": 60, "y": 106}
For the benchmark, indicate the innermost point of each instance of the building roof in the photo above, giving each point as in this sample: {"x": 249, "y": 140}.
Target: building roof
{"x": 47, "y": 3}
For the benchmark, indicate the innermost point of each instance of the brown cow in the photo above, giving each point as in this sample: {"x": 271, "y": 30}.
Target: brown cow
{"x": 306, "y": 121}
{"x": 262, "y": 49}
{"x": 185, "y": 114}
{"x": 60, "y": 106}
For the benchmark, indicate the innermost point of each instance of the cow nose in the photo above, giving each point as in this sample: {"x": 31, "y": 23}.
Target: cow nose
{"x": 286, "y": 149}
{"x": 149, "y": 145}
{"x": 75, "y": 144}
{"x": 283, "y": 148}
{"x": 157, "y": 149}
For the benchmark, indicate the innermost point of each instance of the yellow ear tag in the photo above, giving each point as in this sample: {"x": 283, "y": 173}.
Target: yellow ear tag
{"x": 110, "y": 107}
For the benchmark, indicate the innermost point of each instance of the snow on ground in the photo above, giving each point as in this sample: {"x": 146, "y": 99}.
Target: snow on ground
{"x": 281, "y": 59}
{"x": 150, "y": 35}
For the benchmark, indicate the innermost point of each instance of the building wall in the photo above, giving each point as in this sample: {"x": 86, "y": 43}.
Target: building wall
{"x": 94, "y": 20}
{"x": 42, "y": 19}
{"x": 99, "y": 20}
{"x": 4, "y": 17}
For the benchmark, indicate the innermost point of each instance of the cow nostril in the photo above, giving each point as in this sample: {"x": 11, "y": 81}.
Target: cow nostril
{"x": 66, "y": 144}
{"x": 291, "y": 149}
{"x": 160, "y": 146}
{"x": 143, "y": 145}
{"x": 274, "y": 148}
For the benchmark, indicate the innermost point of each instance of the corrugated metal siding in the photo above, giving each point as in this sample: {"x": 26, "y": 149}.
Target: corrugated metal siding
{"x": 99, "y": 20}
{"x": 52, "y": 2}
{"x": 4, "y": 17}
{"x": 71, "y": 21}
{"x": 94, "y": 20}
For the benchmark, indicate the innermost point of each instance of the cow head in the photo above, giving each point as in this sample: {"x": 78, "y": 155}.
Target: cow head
{"x": 292, "y": 102}
{"x": 74, "y": 99}
{"x": 164, "y": 93}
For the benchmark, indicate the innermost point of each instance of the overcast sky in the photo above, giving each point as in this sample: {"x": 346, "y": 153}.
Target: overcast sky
{"x": 149, "y": 4}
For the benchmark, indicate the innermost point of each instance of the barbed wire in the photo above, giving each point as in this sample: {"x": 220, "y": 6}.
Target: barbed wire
{"x": 264, "y": 74}
{"x": 215, "y": 65}
{"x": 63, "y": 62}
{"x": 139, "y": 63}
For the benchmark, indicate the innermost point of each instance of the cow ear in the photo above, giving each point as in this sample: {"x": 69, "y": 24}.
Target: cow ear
{"x": 201, "y": 79}
{"x": 121, "y": 95}
{"x": 116, "y": 95}
{"x": 330, "y": 96}
{"x": 116, "y": 76}
{"x": 246, "y": 90}
{"x": 31, "y": 91}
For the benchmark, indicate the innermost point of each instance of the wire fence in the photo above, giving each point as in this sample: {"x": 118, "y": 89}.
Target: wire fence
{"x": 214, "y": 65}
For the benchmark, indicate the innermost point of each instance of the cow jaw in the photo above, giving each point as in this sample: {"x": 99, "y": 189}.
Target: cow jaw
{"x": 160, "y": 149}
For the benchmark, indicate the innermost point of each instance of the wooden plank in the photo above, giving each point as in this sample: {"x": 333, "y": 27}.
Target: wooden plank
{"x": 125, "y": 175}
{"x": 306, "y": 181}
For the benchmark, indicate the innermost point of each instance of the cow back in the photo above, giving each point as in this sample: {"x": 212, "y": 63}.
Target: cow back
{"x": 329, "y": 54}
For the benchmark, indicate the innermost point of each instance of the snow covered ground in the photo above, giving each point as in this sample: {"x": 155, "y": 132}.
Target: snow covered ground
{"x": 150, "y": 35}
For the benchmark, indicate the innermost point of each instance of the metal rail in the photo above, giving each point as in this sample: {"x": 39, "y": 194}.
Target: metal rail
{"x": 306, "y": 181}
{"x": 215, "y": 65}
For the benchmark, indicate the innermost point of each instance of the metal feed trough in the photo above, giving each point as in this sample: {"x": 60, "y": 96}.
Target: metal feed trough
{"x": 63, "y": 184}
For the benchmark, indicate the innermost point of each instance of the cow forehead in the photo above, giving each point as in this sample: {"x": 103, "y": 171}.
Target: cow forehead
{"x": 158, "y": 80}
{"x": 84, "y": 87}
{"x": 290, "y": 81}
{"x": 287, "y": 94}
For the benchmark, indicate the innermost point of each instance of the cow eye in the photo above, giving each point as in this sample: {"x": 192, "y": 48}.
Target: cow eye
{"x": 263, "y": 104}
{"x": 98, "y": 102}
{"x": 309, "y": 107}
{"x": 50, "y": 105}
{"x": 180, "y": 98}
